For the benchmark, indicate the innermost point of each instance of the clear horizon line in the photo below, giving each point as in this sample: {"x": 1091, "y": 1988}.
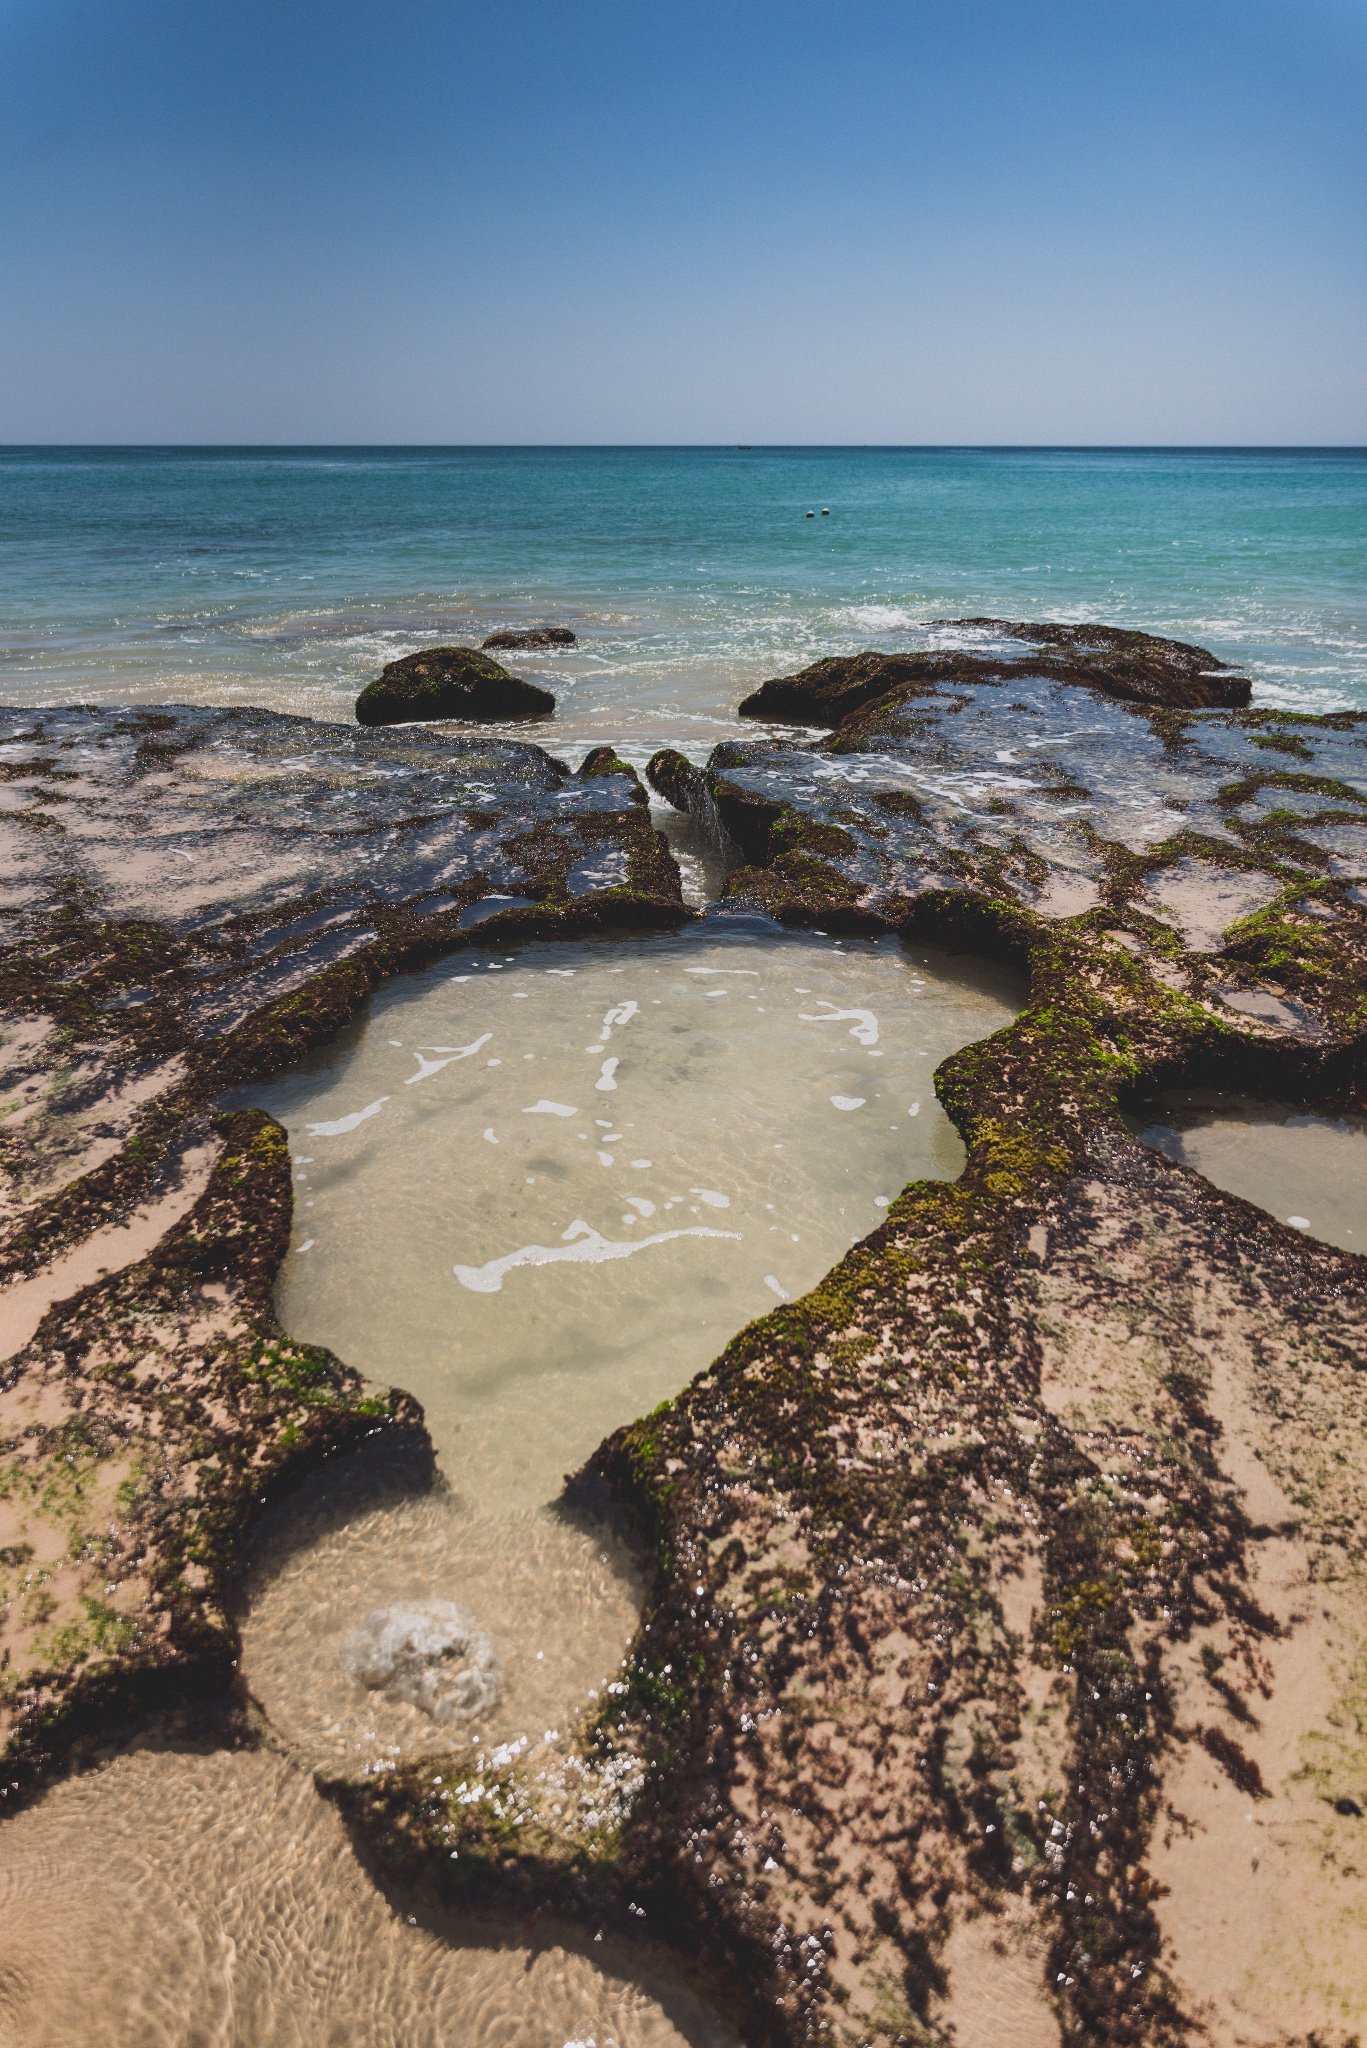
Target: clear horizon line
{"x": 732, "y": 447}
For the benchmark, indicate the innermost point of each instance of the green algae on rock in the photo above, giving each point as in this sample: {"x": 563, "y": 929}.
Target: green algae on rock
{"x": 145, "y": 1426}
{"x": 1026, "y": 1514}
{"x": 450, "y": 682}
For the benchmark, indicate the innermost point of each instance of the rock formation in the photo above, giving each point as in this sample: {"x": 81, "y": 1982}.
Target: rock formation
{"x": 193, "y": 898}
{"x": 1002, "y": 1672}
{"x": 1135, "y": 666}
{"x": 531, "y": 636}
{"x": 449, "y": 682}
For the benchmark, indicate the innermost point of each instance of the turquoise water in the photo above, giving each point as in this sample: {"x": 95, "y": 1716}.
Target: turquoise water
{"x": 287, "y": 577}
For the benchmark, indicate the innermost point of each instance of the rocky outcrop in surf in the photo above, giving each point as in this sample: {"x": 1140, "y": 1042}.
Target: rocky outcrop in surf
{"x": 1140, "y": 667}
{"x": 530, "y": 636}
{"x": 449, "y": 682}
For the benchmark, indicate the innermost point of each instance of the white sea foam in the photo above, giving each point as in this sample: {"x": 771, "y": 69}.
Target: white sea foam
{"x": 425, "y": 1654}
{"x": 865, "y": 1027}
{"x": 340, "y": 1125}
{"x": 848, "y": 1101}
{"x": 544, "y": 1108}
{"x": 606, "y": 1082}
{"x": 881, "y": 618}
{"x": 583, "y": 1246}
{"x": 453, "y": 1053}
{"x": 620, "y": 1013}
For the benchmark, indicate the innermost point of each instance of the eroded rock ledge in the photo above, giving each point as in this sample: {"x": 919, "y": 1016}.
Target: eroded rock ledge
{"x": 1001, "y": 1579}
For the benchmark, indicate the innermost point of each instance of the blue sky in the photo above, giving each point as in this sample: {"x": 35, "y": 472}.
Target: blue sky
{"x": 969, "y": 220}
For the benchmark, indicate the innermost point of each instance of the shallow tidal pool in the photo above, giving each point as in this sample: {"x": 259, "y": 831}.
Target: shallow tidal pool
{"x": 1306, "y": 1169}
{"x": 541, "y": 1192}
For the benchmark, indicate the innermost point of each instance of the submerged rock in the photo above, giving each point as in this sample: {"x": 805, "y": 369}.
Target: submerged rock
{"x": 427, "y": 1655}
{"x": 531, "y": 636}
{"x": 449, "y": 682}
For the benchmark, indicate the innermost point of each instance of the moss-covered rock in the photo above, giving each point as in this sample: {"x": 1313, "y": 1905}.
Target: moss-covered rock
{"x": 143, "y": 1430}
{"x": 449, "y": 682}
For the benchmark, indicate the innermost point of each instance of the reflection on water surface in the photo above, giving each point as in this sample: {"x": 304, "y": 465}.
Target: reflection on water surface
{"x": 1308, "y": 1170}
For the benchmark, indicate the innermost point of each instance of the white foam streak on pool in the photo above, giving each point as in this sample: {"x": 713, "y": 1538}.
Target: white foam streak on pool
{"x": 541, "y": 1289}
{"x": 584, "y": 1246}
{"x": 1309, "y": 1171}
{"x": 173, "y": 1898}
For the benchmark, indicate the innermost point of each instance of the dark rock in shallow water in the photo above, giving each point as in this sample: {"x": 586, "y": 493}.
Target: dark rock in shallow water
{"x": 1136, "y": 666}
{"x": 673, "y": 776}
{"x": 448, "y": 682}
{"x": 531, "y": 636}
{"x": 1142, "y": 666}
{"x": 831, "y": 689}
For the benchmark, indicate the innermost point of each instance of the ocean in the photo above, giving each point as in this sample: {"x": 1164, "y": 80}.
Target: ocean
{"x": 288, "y": 576}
